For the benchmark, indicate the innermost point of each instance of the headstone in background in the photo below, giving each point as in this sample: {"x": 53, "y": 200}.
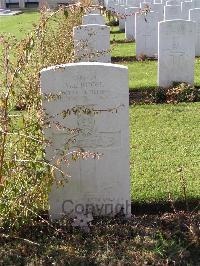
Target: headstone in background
{"x": 194, "y": 16}
{"x": 172, "y": 12}
{"x": 176, "y": 52}
{"x": 92, "y": 43}
{"x": 196, "y": 3}
{"x": 93, "y": 19}
{"x": 185, "y": 8}
{"x": 133, "y": 3}
{"x": 122, "y": 19}
{"x": 130, "y": 22}
{"x": 146, "y": 34}
{"x": 173, "y": 2}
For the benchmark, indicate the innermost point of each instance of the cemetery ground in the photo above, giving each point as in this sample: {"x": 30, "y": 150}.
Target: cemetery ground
{"x": 165, "y": 164}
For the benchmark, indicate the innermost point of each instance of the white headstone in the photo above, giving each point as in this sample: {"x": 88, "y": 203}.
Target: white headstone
{"x": 133, "y": 3}
{"x": 146, "y": 34}
{"x": 93, "y": 19}
{"x": 194, "y": 16}
{"x": 176, "y": 52}
{"x": 2, "y": 4}
{"x": 173, "y": 2}
{"x": 92, "y": 43}
{"x": 130, "y": 23}
{"x": 158, "y": 8}
{"x": 144, "y": 5}
{"x": 185, "y": 8}
{"x": 196, "y": 3}
{"x": 172, "y": 12}
{"x": 21, "y": 4}
{"x": 98, "y": 94}
{"x": 111, "y": 5}
{"x": 122, "y": 19}
{"x": 90, "y": 11}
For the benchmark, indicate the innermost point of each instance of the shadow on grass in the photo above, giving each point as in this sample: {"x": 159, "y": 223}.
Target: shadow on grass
{"x": 121, "y": 41}
{"x": 152, "y": 208}
{"x": 122, "y": 59}
{"x": 155, "y": 94}
{"x": 116, "y": 32}
{"x": 161, "y": 239}
{"x": 141, "y": 95}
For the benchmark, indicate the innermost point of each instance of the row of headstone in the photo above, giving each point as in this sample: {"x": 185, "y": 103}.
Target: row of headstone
{"x": 97, "y": 123}
{"x": 143, "y": 27}
{"x": 167, "y": 10}
{"x": 146, "y": 32}
{"x": 95, "y": 97}
{"x": 174, "y": 42}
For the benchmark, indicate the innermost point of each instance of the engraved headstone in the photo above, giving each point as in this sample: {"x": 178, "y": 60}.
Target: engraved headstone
{"x": 176, "y": 52}
{"x": 93, "y": 19}
{"x": 194, "y": 16}
{"x": 92, "y": 43}
{"x": 146, "y": 34}
{"x": 96, "y": 122}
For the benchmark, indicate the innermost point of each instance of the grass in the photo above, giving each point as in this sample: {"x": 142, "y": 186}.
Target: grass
{"x": 18, "y": 25}
{"x": 164, "y": 140}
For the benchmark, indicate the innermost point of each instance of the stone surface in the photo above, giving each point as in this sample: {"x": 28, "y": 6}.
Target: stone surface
{"x": 90, "y": 11}
{"x": 2, "y": 4}
{"x": 133, "y": 3}
{"x": 158, "y": 8}
{"x": 144, "y": 5}
{"x": 130, "y": 22}
{"x": 196, "y": 3}
{"x": 185, "y": 8}
{"x": 146, "y": 33}
{"x": 92, "y": 43}
{"x": 176, "y": 52}
{"x": 111, "y": 5}
{"x": 98, "y": 94}
{"x": 122, "y": 20}
{"x": 173, "y": 2}
{"x": 194, "y": 16}
{"x": 22, "y": 4}
{"x": 93, "y": 19}
{"x": 172, "y": 12}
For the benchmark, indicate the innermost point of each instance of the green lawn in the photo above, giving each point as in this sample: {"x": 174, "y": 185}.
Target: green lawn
{"x": 164, "y": 138}
{"x": 18, "y": 25}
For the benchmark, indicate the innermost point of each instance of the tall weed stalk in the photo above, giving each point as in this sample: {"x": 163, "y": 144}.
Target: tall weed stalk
{"x": 24, "y": 174}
